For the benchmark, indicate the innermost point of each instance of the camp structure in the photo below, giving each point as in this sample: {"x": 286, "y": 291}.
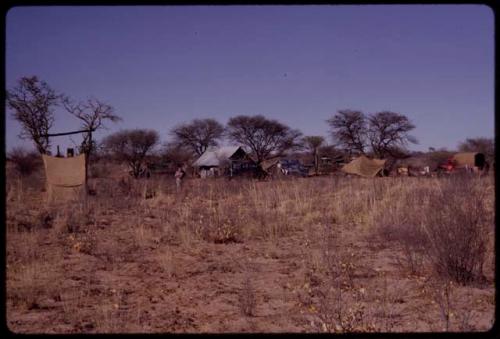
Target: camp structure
{"x": 415, "y": 165}
{"x": 277, "y": 167}
{"x": 469, "y": 160}
{"x": 364, "y": 167}
{"x": 65, "y": 177}
{"x": 294, "y": 167}
{"x": 272, "y": 167}
{"x": 337, "y": 160}
{"x": 227, "y": 160}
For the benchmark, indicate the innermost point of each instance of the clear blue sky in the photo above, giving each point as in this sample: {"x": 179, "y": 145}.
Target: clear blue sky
{"x": 160, "y": 66}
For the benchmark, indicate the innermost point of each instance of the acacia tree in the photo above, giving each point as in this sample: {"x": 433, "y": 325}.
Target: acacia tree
{"x": 388, "y": 134}
{"x": 349, "y": 130}
{"x": 330, "y": 151}
{"x": 92, "y": 113}
{"x": 266, "y": 138}
{"x": 198, "y": 135}
{"x": 132, "y": 146}
{"x": 32, "y": 103}
{"x": 176, "y": 154}
{"x": 313, "y": 143}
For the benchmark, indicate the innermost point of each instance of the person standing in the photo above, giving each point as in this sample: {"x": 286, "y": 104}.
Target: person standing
{"x": 179, "y": 175}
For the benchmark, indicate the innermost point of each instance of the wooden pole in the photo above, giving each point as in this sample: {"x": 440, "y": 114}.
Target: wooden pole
{"x": 87, "y": 159}
{"x": 86, "y": 153}
{"x": 68, "y": 133}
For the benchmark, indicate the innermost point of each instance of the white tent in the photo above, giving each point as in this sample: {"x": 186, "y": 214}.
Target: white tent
{"x": 215, "y": 157}
{"x": 228, "y": 160}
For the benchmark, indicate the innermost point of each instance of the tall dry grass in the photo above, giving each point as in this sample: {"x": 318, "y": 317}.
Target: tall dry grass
{"x": 442, "y": 226}
{"x": 448, "y": 222}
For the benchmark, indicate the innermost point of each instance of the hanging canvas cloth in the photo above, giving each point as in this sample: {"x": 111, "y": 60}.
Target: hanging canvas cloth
{"x": 65, "y": 177}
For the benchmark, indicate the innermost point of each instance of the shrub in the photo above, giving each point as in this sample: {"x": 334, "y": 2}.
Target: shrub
{"x": 457, "y": 230}
{"x": 401, "y": 223}
{"x": 247, "y": 298}
{"x": 29, "y": 221}
{"x": 446, "y": 224}
{"x": 26, "y": 162}
{"x": 46, "y": 218}
{"x": 76, "y": 218}
{"x": 99, "y": 170}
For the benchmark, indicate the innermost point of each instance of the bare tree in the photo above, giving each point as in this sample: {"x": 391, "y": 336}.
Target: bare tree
{"x": 388, "y": 134}
{"x": 313, "y": 143}
{"x": 132, "y": 146}
{"x": 482, "y": 145}
{"x": 92, "y": 113}
{"x": 32, "y": 103}
{"x": 266, "y": 138}
{"x": 348, "y": 130}
{"x": 198, "y": 135}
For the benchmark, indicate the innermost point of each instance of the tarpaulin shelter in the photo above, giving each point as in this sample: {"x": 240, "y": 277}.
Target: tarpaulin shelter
{"x": 65, "y": 177}
{"x": 469, "y": 159}
{"x": 364, "y": 167}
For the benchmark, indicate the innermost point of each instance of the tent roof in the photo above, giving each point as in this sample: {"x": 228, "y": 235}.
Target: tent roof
{"x": 364, "y": 167}
{"x": 465, "y": 158}
{"x": 214, "y": 156}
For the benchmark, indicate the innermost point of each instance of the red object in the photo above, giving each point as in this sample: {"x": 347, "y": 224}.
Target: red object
{"x": 448, "y": 166}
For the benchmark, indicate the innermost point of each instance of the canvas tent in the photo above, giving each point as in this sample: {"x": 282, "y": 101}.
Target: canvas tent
{"x": 364, "y": 167}
{"x": 469, "y": 159}
{"x": 215, "y": 161}
{"x": 214, "y": 157}
{"x": 65, "y": 177}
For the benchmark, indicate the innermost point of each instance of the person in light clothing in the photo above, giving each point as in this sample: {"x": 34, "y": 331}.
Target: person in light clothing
{"x": 179, "y": 175}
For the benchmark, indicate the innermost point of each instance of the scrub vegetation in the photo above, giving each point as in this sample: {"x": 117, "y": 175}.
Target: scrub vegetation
{"x": 319, "y": 254}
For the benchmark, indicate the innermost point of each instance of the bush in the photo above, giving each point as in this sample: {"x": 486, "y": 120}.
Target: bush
{"x": 78, "y": 218}
{"x": 448, "y": 225}
{"x": 457, "y": 230}
{"x": 41, "y": 219}
{"x": 247, "y": 298}
{"x": 26, "y": 162}
{"x": 99, "y": 170}
{"x": 401, "y": 222}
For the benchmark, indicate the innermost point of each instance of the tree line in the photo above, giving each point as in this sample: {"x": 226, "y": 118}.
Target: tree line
{"x": 383, "y": 134}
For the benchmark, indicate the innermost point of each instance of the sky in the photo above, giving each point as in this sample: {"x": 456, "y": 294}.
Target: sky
{"x": 160, "y": 66}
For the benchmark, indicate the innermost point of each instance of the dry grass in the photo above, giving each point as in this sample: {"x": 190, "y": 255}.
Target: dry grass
{"x": 354, "y": 255}
{"x": 447, "y": 223}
